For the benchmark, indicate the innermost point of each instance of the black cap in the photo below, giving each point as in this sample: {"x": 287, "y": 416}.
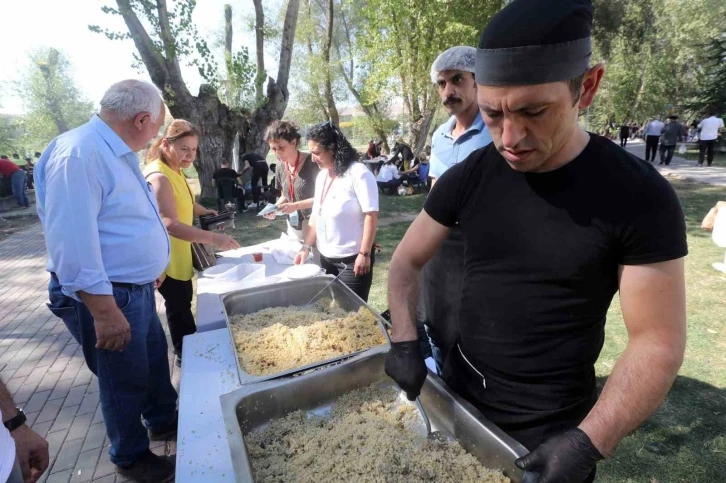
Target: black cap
{"x": 535, "y": 42}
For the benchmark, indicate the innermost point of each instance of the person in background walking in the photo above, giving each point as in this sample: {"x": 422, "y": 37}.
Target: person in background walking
{"x": 652, "y": 132}
{"x": 107, "y": 245}
{"x": 165, "y": 160}
{"x": 345, "y": 210}
{"x": 672, "y": 134}
{"x": 624, "y": 134}
{"x": 634, "y": 130}
{"x": 17, "y": 176}
{"x": 260, "y": 172}
{"x": 711, "y": 128}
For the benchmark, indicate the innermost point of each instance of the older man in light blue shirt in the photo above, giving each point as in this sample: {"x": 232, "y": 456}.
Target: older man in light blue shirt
{"x": 106, "y": 247}
{"x": 452, "y": 143}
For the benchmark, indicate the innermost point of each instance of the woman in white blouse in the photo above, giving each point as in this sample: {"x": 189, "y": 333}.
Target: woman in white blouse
{"x": 345, "y": 210}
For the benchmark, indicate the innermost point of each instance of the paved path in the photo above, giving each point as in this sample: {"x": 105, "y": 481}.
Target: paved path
{"x": 43, "y": 368}
{"x": 683, "y": 168}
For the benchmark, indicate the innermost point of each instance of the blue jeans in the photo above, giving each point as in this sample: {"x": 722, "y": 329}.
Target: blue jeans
{"x": 18, "y": 182}
{"x": 135, "y": 382}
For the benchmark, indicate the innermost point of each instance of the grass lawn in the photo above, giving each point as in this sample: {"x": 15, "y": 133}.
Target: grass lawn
{"x": 719, "y": 159}
{"x": 685, "y": 441}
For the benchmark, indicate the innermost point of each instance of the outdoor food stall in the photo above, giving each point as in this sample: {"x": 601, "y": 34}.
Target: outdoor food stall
{"x": 284, "y": 382}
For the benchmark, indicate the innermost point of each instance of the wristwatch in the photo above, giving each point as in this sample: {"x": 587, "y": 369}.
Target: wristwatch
{"x": 16, "y": 421}
{"x": 307, "y": 247}
{"x": 365, "y": 254}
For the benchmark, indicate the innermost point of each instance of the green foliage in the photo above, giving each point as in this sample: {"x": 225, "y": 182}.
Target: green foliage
{"x": 713, "y": 59}
{"x": 187, "y": 44}
{"x": 52, "y": 101}
{"x": 653, "y": 52}
{"x": 238, "y": 89}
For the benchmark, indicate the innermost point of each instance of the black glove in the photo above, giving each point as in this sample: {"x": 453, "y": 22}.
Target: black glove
{"x": 406, "y": 366}
{"x": 566, "y": 458}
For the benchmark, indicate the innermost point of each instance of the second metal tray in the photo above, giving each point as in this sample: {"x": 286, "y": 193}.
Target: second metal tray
{"x": 254, "y": 406}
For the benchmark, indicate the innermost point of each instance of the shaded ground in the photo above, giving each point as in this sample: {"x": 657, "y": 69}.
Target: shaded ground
{"x": 8, "y": 226}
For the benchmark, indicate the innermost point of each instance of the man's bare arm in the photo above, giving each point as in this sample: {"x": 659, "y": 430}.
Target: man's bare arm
{"x": 421, "y": 242}
{"x": 653, "y": 300}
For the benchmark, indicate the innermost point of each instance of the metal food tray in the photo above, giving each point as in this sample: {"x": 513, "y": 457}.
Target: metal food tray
{"x": 284, "y": 294}
{"x": 252, "y": 407}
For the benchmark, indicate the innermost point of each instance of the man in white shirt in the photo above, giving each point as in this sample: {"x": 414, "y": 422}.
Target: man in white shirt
{"x": 652, "y": 132}
{"x": 388, "y": 178}
{"x": 711, "y": 128}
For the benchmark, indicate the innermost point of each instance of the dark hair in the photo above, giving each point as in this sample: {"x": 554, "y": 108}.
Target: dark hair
{"x": 37, "y": 154}
{"x": 575, "y": 85}
{"x": 15, "y": 155}
{"x": 3, "y": 156}
{"x": 178, "y": 129}
{"x": 283, "y": 130}
{"x": 332, "y": 139}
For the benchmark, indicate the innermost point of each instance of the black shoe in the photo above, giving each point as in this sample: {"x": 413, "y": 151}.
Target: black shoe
{"x": 165, "y": 433}
{"x": 150, "y": 468}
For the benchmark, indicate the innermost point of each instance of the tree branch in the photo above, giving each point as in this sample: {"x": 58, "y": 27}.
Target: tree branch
{"x": 260, "y": 48}
{"x": 154, "y": 61}
{"x": 288, "y": 40}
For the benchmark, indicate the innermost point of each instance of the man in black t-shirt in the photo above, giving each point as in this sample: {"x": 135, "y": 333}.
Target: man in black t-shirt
{"x": 555, "y": 221}
{"x": 225, "y": 172}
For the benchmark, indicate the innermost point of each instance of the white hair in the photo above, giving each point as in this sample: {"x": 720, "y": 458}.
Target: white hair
{"x": 130, "y": 97}
{"x": 461, "y": 57}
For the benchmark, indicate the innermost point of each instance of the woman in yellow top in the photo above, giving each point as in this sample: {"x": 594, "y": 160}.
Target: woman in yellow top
{"x": 165, "y": 159}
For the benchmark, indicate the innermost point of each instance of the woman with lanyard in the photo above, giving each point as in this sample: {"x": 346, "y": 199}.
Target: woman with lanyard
{"x": 345, "y": 210}
{"x": 295, "y": 177}
{"x": 165, "y": 160}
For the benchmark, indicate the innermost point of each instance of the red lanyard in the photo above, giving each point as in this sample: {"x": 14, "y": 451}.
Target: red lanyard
{"x": 291, "y": 179}
{"x": 325, "y": 193}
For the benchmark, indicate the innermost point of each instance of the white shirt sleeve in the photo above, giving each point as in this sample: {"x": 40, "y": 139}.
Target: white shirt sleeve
{"x": 365, "y": 187}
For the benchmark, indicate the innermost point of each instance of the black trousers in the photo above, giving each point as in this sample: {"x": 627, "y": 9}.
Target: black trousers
{"x": 389, "y": 187}
{"x": 705, "y": 149}
{"x": 178, "y": 302}
{"x": 260, "y": 171}
{"x": 361, "y": 286}
{"x": 623, "y": 141}
{"x": 651, "y": 147}
{"x": 666, "y": 154}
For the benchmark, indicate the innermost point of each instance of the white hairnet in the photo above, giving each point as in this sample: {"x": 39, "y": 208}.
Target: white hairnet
{"x": 461, "y": 57}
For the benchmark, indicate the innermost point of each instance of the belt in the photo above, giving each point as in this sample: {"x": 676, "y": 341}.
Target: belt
{"x": 129, "y": 286}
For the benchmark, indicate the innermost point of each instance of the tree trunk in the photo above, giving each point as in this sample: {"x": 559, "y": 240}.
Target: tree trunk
{"x": 260, "y": 46}
{"x": 218, "y": 124}
{"x": 420, "y": 130}
{"x": 330, "y": 101}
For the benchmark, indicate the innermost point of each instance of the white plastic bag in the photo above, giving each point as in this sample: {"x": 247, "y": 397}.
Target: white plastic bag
{"x": 682, "y": 149}
{"x": 401, "y": 190}
{"x": 719, "y": 228}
